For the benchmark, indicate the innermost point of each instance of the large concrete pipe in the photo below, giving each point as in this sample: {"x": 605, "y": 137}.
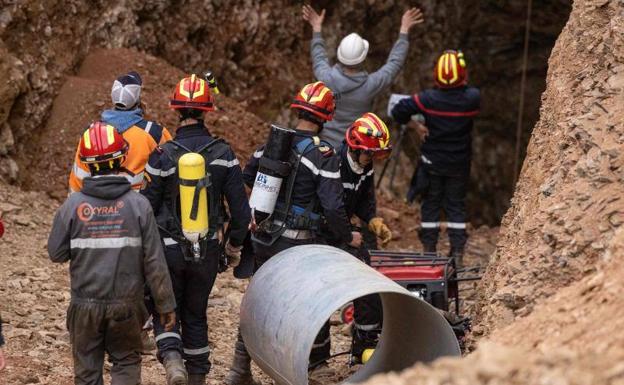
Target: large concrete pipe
{"x": 295, "y": 292}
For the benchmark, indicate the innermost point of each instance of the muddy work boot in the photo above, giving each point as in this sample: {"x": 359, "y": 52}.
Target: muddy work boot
{"x": 240, "y": 371}
{"x": 197, "y": 379}
{"x": 148, "y": 343}
{"x": 174, "y": 366}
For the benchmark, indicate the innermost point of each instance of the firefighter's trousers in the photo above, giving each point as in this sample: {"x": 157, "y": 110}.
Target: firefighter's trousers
{"x": 448, "y": 194}
{"x": 192, "y": 282}
{"x": 112, "y": 327}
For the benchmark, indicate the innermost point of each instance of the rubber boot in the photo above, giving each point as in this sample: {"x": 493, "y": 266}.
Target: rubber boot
{"x": 458, "y": 254}
{"x": 362, "y": 341}
{"x": 197, "y": 379}
{"x": 174, "y": 366}
{"x": 240, "y": 371}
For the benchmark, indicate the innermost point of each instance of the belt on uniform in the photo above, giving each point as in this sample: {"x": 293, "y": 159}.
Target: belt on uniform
{"x": 170, "y": 241}
{"x": 295, "y": 234}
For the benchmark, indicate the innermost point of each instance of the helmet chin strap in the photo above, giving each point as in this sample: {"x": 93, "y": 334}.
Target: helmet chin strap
{"x": 353, "y": 163}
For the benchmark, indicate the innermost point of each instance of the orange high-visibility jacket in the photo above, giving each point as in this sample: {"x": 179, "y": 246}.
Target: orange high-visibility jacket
{"x": 142, "y": 139}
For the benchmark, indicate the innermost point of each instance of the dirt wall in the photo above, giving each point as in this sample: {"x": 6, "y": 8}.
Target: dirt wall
{"x": 259, "y": 50}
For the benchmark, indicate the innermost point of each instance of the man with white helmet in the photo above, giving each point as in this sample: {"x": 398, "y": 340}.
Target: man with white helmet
{"x": 353, "y": 87}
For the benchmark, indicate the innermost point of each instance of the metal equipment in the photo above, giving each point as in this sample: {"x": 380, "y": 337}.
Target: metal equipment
{"x": 292, "y": 295}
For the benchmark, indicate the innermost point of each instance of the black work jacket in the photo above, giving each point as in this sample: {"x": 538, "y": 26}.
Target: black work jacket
{"x": 449, "y": 115}
{"x": 359, "y": 188}
{"x": 226, "y": 177}
{"x": 317, "y": 180}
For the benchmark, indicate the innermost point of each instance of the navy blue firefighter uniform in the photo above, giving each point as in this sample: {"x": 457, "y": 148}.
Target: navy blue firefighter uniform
{"x": 193, "y": 280}
{"x": 360, "y": 201}
{"x": 445, "y": 160}
{"x": 316, "y": 199}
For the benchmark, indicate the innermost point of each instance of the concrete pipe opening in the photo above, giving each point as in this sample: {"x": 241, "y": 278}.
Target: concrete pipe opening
{"x": 292, "y": 295}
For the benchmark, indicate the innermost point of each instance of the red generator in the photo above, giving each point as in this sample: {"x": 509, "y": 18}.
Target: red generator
{"x": 429, "y": 276}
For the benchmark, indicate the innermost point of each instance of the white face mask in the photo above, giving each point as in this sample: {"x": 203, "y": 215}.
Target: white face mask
{"x": 355, "y": 166}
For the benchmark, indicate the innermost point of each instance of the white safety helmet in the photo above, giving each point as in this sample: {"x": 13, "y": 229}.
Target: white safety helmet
{"x": 352, "y": 50}
{"x": 126, "y": 91}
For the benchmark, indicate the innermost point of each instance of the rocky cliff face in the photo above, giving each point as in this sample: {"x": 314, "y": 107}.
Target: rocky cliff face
{"x": 259, "y": 49}
{"x": 568, "y": 203}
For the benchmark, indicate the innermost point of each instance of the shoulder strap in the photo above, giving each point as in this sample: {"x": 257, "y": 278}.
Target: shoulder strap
{"x": 154, "y": 129}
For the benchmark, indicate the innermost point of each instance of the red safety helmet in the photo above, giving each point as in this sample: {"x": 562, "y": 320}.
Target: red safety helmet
{"x": 192, "y": 93}
{"x": 370, "y": 133}
{"x": 316, "y": 98}
{"x": 450, "y": 70}
{"x": 101, "y": 144}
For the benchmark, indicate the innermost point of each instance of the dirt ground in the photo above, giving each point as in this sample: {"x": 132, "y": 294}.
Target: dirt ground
{"x": 35, "y": 296}
{"x": 36, "y": 291}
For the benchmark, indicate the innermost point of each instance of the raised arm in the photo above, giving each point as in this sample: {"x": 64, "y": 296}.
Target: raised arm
{"x": 383, "y": 77}
{"x": 320, "y": 62}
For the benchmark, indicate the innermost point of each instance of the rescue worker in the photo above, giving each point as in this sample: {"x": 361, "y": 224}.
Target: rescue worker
{"x": 444, "y": 170}
{"x": 316, "y": 196}
{"x": 127, "y": 116}
{"x": 367, "y": 139}
{"x": 193, "y": 275}
{"x": 110, "y": 237}
{"x": 353, "y": 87}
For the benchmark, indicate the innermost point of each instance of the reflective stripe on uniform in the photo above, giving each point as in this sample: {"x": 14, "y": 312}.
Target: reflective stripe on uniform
{"x": 148, "y": 127}
{"x": 424, "y": 159}
{"x": 327, "y": 174}
{"x": 225, "y": 163}
{"x": 134, "y": 180}
{"x": 356, "y": 187}
{"x": 162, "y": 336}
{"x": 159, "y": 172}
{"x": 79, "y": 172}
{"x": 105, "y": 243}
{"x": 367, "y": 328}
{"x": 196, "y": 352}
{"x": 258, "y": 154}
{"x": 321, "y": 344}
{"x": 449, "y": 225}
{"x": 169, "y": 241}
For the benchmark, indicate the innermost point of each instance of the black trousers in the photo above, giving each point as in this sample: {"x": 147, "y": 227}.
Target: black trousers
{"x": 192, "y": 283}
{"x": 368, "y": 313}
{"x": 445, "y": 193}
{"x": 98, "y": 328}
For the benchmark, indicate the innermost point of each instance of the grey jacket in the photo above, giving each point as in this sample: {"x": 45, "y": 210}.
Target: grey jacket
{"x": 354, "y": 93}
{"x": 109, "y": 235}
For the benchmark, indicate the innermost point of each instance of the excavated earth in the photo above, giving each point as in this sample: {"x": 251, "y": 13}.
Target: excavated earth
{"x": 35, "y": 292}
{"x": 549, "y": 309}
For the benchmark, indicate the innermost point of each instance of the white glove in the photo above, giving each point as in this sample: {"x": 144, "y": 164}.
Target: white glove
{"x": 233, "y": 253}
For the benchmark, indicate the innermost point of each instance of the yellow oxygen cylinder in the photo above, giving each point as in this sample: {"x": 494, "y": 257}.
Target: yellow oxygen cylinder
{"x": 192, "y": 174}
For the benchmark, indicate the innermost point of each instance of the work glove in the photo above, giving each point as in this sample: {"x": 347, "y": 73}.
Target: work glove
{"x": 377, "y": 226}
{"x": 233, "y": 253}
